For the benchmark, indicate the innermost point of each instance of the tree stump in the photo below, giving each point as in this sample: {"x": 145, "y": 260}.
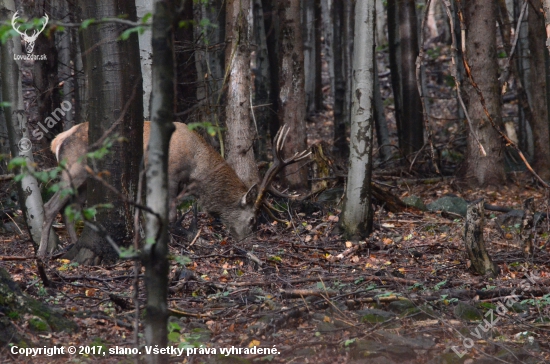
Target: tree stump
{"x": 473, "y": 239}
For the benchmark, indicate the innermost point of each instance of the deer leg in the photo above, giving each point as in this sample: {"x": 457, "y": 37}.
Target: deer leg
{"x": 52, "y": 208}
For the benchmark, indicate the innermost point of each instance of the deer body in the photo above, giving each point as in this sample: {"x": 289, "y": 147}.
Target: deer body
{"x": 193, "y": 164}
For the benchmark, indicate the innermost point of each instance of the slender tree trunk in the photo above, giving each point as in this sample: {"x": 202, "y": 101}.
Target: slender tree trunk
{"x": 262, "y": 83}
{"x": 271, "y": 25}
{"x": 115, "y": 85}
{"x": 403, "y": 40}
{"x": 30, "y": 199}
{"x": 292, "y": 106}
{"x": 341, "y": 81}
{"x": 382, "y": 132}
{"x": 356, "y": 219}
{"x": 145, "y": 53}
{"x": 239, "y": 136}
{"x": 308, "y": 36}
{"x": 79, "y": 76}
{"x": 63, "y": 39}
{"x": 185, "y": 65}
{"x": 537, "y": 93}
{"x": 318, "y": 100}
{"x": 328, "y": 49}
{"x": 480, "y": 19}
{"x": 45, "y": 72}
{"x": 162, "y": 112}
{"x": 381, "y": 38}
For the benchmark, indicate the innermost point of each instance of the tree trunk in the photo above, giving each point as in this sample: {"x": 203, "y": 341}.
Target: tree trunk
{"x": 162, "y": 112}
{"x": 115, "y": 85}
{"x": 46, "y": 82}
{"x": 473, "y": 239}
{"x": 145, "y": 53}
{"x": 403, "y": 35}
{"x": 318, "y": 95}
{"x": 239, "y": 137}
{"x": 356, "y": 219}
{"x": 341, "y": 79}
{"x": 80, "y": 79}
{"x": 185, "y": 66}
{"x": 328, "y": 49}
{"x": 381, "y": 38}
{"x": 308, "y": 36}
{"x": 64, "y": 75}
{"x": 382, "y": 132}
{"x": 292, "y": 106}
{"x": 271, "y": 25}
{"x": 480, "y": 18}
{"x": 30, "y": 199}
{"x": 263, "y": 114}
{"x": 537, "y": 93}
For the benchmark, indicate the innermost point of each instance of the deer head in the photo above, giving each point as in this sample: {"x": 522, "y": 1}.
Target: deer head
{"x": 29, "y": 39}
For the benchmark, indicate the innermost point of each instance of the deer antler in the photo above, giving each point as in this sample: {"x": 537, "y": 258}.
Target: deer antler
{"x": 278, "y": 164}
{"x": 13, "y": 19}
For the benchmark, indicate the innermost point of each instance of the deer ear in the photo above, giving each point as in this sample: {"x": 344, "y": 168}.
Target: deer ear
{"x": 249, "y": 197}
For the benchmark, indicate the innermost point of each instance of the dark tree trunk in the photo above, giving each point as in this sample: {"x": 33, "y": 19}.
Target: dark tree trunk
{"x": 271, "y": 25}
{"x": 45, "y": 79}
{"x": 263, "y": 114}
{"x": 341, "y": 81}
{"x": 292, "y": 106}
{"x": 537, "y": 93}
{"x": 308, "y": 49}
{"x": 155, "y": 251}
{"x": 403, "y": 43}
{"x": 186, "y": 69}
{"x": 318, "y": 56}
{"x": 481, "y": 46}
{"x": 114, "y": 75}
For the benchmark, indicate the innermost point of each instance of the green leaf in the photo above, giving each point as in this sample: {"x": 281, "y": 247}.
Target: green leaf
{"x": 89, "y": 213}
{"x": 86, "y": 23}
{"x": 126, "y": 34}
{"x": 17, "y": 162}
{"x": 174, "y": 337}
{"x": 349, "y": 342}
{"x": 146, "y": 17}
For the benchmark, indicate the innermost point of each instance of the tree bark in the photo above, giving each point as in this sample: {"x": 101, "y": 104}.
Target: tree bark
{"x": 308, "y": 37}
{"x": 480, "y": 19}
{"x": 239, "y": 137}
{"x": 403, "y": 35}
{"x": 292, "y": 106}
{"x": 263, "y": 115}
{"x": 537, "y": 93}
{"x": 341, "y": 79}
{"x": 318, "y": 96}
{"x": 30, "y": 198}
{"x": 271, "y": 26}
{"x": 356, "y": 219}
{"x": 155, "y": 252}
{"x": 145, "y": 54}
{"x": 115, "y": 85}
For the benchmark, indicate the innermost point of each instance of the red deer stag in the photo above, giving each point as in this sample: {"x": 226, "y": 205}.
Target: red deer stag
{"x": 193, "y": 164}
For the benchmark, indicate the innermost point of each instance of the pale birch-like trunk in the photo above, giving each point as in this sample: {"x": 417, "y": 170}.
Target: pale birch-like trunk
{"x": 356, "y": 219}
{"x": 145, "y": 54}
{"x": 239, "y": 137}
{"x": 155, "y": 251}
{"x": 30, "y": 199}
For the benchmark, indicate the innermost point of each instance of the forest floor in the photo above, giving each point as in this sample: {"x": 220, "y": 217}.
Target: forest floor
{"x": 404, "y": 295}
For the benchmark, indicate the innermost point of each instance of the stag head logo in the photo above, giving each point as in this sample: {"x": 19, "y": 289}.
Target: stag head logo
{"x": 29, "y": 39}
